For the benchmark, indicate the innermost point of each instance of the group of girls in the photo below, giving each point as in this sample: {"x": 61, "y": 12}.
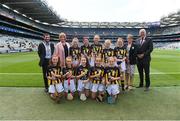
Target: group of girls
{"x": 95, "y": 71}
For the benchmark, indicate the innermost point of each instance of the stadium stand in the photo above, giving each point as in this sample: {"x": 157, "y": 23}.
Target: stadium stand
{"x": 167, "y": 45}
{"x": 23, "y": 29}
{"x": 10, "y": 44}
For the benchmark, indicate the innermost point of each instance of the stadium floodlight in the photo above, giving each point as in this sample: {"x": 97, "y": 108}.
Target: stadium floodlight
{"x": 175, "y": 15}
{"x": 16, "y": 11}
{"x": 45, "y": 23}
{"x": 137, "y": 27}
{"x": 37, "y": 21}
{"x": 163, "y": 25}
{"x": 5, "y": 6}
{"x": 54, "y": 24}
{"x": 167, "y": 18}
{"x": 176, "y": 22}
{"x": 172, "y": 24}
{"x": 24, "y": 15}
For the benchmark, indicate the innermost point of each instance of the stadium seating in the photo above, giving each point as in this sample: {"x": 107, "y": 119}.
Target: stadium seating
{"x": 9, "y": 44}
{"x": 171, "y": 30}
{"x": 167, "y": 45}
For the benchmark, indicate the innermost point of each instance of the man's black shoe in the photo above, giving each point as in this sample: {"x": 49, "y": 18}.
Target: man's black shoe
{"x": 146, "y": 89}
{"x": 46, "y": 90}
{"x": 139, "y": 87}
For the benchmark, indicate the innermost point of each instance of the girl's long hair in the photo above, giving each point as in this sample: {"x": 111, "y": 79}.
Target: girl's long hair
{"x": 87, "y": 61}
{"x": 51, "y": 63}
{"x": 75, "y": 39}
{"x": 119, "y": 39}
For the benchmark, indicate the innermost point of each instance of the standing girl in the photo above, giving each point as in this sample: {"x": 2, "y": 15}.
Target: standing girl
{"x": 75, "y": 52}
{"x": 107, "y": 51}
{"x": 96, "y": 49}
{"x": 120, "y": 54}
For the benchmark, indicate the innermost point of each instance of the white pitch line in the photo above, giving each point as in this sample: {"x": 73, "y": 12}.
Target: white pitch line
{"x": 152, "y": 73}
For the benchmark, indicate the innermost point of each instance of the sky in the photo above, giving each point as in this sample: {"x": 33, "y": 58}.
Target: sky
{"x": 114, "y": 10}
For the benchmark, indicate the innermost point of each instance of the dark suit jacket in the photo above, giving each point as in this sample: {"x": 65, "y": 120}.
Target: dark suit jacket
{"x": 146, "y": 48}
{"x": 133, "y": 54}
{"x": 42, "y": 52}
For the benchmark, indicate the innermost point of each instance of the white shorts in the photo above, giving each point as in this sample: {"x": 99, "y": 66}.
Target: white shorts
{"x": 82, "y": 85}
{"x": 57, "y": 87}
{"x": 123, "y": 66}
{"x": 130, "y": 69}
{"x": 90, "y": 84}
{"x": 97, "y": 87}
{"x": 71, "y": 87}
{"x": 113, "y": 89}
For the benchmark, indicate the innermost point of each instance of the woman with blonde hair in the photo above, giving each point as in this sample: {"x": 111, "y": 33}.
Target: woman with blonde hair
{"x": 131, "y": 61}
{"x": 75, "y": 52}
{"x": 62, "y": 49}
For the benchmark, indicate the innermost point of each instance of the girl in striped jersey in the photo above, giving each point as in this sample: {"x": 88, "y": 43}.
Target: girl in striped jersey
{"x": 120, "y": 54}
{"x": 107, "y": 52}
{"x": 54, "y": 76}
{"x": 75, "y": 52}
{"x": 69, "y": 78}
{"x": 112, "y": 76}
{"x": 83, "y": 77}
{"x": 98, "y": 81}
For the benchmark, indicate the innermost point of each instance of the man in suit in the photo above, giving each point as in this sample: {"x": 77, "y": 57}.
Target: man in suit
{"x": 45, "y": 52}
{"x": 145, "y": 47}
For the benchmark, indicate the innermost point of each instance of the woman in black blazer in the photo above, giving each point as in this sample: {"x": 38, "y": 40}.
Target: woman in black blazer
{"x": 130, "y": 62}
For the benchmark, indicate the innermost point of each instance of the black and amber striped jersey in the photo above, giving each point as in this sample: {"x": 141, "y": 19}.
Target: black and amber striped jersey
{"x": 112, "y": 72}
{"x": 86, "y": 50}
{"x": 97, "y": 70}
{"x": 56, "y": 70}
{"x": 120, "y": 52}
{"x": 75, "y": 53}
{"x": 81, "y": 70}
{"x": 107, "y": 53}
{"x": 96, "y": 49}
{"x": 66, "y": 69}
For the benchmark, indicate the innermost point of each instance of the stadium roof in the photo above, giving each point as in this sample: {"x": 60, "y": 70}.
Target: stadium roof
{"x": 171, "y": 20}
{"x": 103, "y": 24}
{"x": 37, "y": 10}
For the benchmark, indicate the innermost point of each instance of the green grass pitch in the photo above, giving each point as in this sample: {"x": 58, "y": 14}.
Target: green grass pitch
{"x": 20, "y": 98}
{"x": 21, "y": 69}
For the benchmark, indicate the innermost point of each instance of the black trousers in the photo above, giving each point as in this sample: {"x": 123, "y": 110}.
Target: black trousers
{"x": 44, "y": 70}
{"x": 144, "y": 66}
